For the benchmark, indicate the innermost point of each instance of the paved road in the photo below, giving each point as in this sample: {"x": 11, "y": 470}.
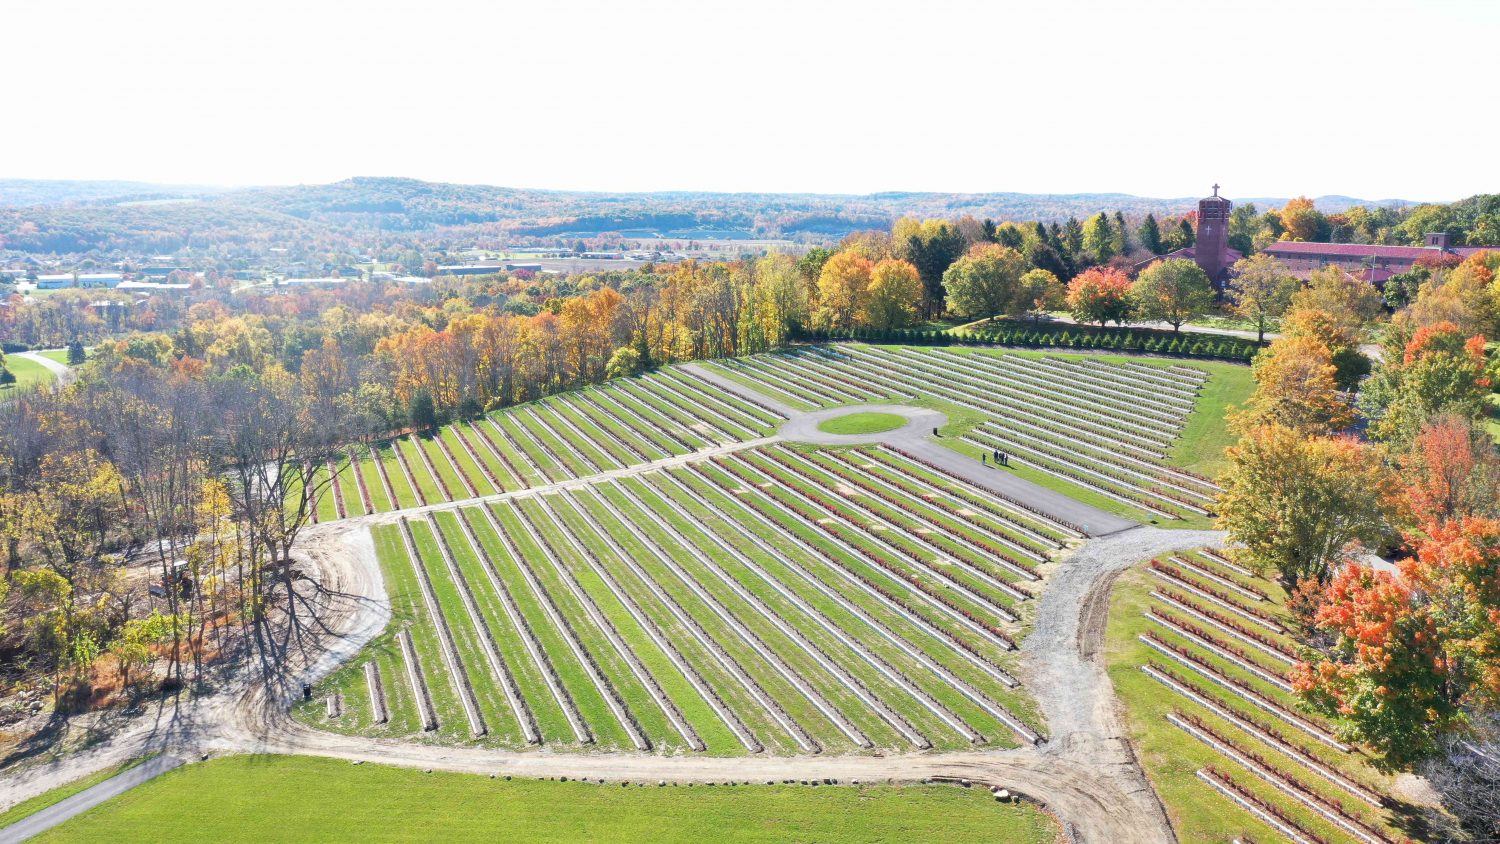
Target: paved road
{"x": 64, "y": 373}
{"x": 87, "y": 799}
{"x": 803, "y": 427}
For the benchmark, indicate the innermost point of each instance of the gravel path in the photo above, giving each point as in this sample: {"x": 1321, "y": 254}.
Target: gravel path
{"x": 87, "y": 799}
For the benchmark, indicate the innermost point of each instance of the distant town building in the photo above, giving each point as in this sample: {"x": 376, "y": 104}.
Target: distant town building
{"x": 325, "y": 281}
{"x": 151, "y": 286}
{"x": 471, "y": 269}
{"x": 58, "y": 281}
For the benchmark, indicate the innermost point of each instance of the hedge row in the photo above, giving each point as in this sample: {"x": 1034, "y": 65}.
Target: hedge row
{"x": 1122, "y": 339}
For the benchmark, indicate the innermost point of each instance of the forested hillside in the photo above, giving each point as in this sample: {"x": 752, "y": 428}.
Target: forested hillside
{"x": 67, "y": 217}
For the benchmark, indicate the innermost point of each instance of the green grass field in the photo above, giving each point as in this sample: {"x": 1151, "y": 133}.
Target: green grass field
{"x": 266, "y": 798}
{"x": 27, "y": 808}
{"x": 28, "y": 374}
{"x": 862, "y": 423}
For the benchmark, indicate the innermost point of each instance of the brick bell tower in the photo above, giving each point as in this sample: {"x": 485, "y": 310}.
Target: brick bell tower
{"x": 1213, "y": 237}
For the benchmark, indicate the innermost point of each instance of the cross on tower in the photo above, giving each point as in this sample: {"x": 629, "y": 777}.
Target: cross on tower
{"x": 1216, "y": 188}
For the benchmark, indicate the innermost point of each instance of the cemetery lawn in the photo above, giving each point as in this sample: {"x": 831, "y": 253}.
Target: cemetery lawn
{"x": 862, "y": 423}
{"x": 258, "y": 798}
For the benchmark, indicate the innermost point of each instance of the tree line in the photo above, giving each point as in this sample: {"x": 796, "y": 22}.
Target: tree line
{"x": 1407, "y": 657}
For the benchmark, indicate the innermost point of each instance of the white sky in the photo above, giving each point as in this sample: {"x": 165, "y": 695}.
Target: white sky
{"x": 1373, "y": 98}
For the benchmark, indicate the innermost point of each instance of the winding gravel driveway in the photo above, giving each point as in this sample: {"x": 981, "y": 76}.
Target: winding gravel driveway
{"x": 1086, "y": 773}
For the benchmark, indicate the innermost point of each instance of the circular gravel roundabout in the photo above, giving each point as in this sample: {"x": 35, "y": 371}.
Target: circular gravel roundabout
{"x": 863, "y": 423}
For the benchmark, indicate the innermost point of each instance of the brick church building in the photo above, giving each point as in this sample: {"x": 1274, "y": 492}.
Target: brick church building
{"x": 1371, "y": 262}
{"x": 1211, "y": 250}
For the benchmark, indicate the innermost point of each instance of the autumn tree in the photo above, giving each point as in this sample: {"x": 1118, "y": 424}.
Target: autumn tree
{"x": 1349, "y": 363}
{"x": 1171, "y": 291}
{"x": 1452, "y": 470}
{"x": 1040, "y": 291}
{"x": 986, "y": 282}
{"x": 1354, "y": 302}
{"x": 1260, "y": 290}
{"x": 843, "y": 287}
{"x": 1439, "y": 371}
{"x": 894, "y": 295}
{"x": 1414, "y": 654}
{"x": 1099, "y": 295}
{"x": 1302, "y": 221}
{"x": 1295, "y": 386}
{"x": 1292, "y": 504}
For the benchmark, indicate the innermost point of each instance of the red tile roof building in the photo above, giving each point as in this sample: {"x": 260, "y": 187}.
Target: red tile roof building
{"x": 1365, "y": 260}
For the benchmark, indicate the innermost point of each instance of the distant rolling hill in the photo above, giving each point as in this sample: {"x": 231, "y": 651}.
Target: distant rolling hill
{"x": 63, "y": 216}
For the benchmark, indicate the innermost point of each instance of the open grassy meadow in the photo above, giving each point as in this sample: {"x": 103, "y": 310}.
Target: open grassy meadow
{"x": 295, "y": 799}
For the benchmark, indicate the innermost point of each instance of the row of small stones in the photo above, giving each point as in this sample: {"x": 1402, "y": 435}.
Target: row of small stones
{"x": 1031, "y": 398}
{"x": 725, "y": 401}
{"x": 790, "y": 461}
{"x": 1109, "y": 389}
{"x": 1036, "y": 532}
{"x": 704, "y": 688}
{"x": 932, "y": 505}
{"x": 962, "y": 647}
{"x": 503, "y": 675}
{"x": 756, "y": 643}
{"x": 518, "y": 620}
{"x": 1029, "y": 393}
{"x": 890, "y": 570}
{"x": 985, "y": 372}
{"x": 825, "y": 387}
{"x": 1002, "y": 795}
{"x": 1269, "y": 736}
{"x": 910, "y": 555}
{"x": 1116, "y": 473}
{"x": 1070, "y": 475}
{"x": 768, "y": 378}
{"x": 972, "y": 492}
{"x": 730, "y": 664}
{"x": 977, "y": 400}
{"x": 1135, "y": 467}
{"x": 819, "y": 364}
{"x": 827, "y": 624}
{"x": 938, "y": 633}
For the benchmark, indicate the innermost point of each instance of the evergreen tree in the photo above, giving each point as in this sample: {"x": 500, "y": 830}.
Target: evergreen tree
{"x": 76, "y": 355}
{"x": 1099, "y": 238}
{"x": 1189, "y": 237}
{"x": 1243, "y": 224}
{"x": 423, "y": 412}
{"x": 1071, "y": 239}
{"x": 1122, "y": 235}
{"x": 1149, "y": 234}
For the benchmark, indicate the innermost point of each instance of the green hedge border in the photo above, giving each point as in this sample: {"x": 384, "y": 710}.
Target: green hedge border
{"x": 1122, "y": 339}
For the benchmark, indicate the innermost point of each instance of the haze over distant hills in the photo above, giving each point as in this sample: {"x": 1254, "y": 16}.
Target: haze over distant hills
{"x": 77, "y": 216}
